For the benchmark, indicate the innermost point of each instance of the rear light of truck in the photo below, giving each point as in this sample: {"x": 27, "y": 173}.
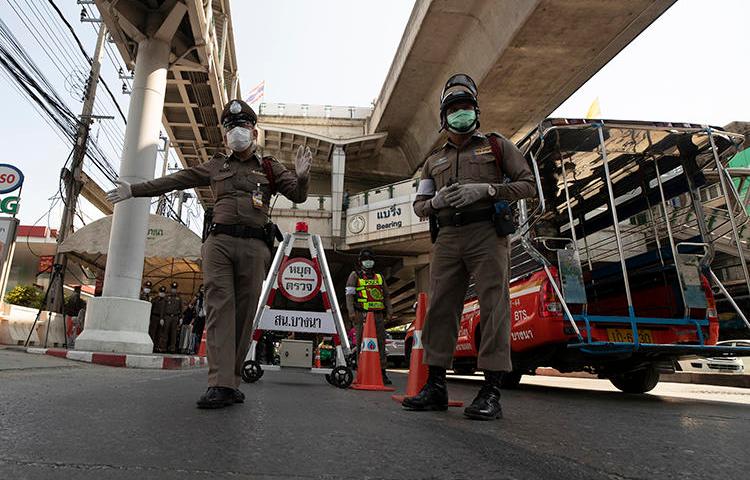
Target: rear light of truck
{"x": 549, "y": 306}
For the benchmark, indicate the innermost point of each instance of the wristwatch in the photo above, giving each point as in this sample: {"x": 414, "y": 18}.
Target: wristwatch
{"x": 491, "y": 191}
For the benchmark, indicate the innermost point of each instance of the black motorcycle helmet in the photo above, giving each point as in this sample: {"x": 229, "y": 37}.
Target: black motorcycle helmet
{"x": 459, "y": 88}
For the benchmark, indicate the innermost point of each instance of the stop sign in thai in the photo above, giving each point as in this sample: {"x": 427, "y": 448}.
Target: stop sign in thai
{"x": 299, "y": 280}
{"x": 11, "y": 178}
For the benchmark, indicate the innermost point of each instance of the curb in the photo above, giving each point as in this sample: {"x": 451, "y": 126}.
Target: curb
{"x": 128, "y": 360}
{"x": 715, "y": 379}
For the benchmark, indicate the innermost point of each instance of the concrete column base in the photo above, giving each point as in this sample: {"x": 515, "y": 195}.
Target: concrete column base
{"x": 115, "y": 324}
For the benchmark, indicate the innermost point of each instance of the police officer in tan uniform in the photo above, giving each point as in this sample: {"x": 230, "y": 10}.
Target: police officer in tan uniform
{"x": 156, "y": 321}
{"x": 172, "y": 313}
{"x": 236, "y": 254}
{"x": 366, "y": 291}
{"x": 466, "y": 185}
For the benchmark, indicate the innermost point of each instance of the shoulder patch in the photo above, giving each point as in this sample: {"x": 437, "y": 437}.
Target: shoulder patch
{"x": 483, "y": 151}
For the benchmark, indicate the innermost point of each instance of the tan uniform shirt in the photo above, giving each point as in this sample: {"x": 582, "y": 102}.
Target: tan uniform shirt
{"x": 351, "y": 294}
{"x": 172, "y": 306}
{"x": 233, "y": 182}
{"x": 474, "y": 162}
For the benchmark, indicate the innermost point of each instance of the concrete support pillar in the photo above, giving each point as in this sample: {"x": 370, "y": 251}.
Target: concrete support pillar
{"x": 118, "y": 321}
{"x": 422, "y": 279}
{"x": 338, "y": 164}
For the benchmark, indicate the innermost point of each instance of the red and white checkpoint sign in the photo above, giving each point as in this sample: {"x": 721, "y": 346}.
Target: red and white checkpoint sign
{"x": 299, "y": 280}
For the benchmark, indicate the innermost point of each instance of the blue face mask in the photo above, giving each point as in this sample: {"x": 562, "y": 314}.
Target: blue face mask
{"x": 462, "y": 121}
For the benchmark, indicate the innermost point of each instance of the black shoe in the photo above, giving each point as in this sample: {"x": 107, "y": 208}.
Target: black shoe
{"x": 486, "y": 405}
{"x": 216, "y": 397}
{"x": 386, "y": 380}
{"x": 433, "y": 396}
{"x": 238, "y": 396}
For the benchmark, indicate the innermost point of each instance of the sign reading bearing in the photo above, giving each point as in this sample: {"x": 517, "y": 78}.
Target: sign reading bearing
{"x": 299, "y": 280}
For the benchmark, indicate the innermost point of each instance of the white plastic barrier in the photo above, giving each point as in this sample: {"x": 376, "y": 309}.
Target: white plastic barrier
{"x": 14, "y": 332}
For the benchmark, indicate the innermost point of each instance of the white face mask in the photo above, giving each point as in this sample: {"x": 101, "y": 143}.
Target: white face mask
{"x": 368, "y": 263}
{"x": 146, "y": 290}
{"x": 162, "y": 294}
{"x": 239, "y": 139}
{"x": 174, "y": 290}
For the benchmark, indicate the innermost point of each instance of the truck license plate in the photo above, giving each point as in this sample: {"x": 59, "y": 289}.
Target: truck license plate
{"x": 626, "y": 335}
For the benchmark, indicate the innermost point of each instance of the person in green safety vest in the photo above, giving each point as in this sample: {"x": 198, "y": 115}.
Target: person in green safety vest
{"x": 366, "y": 291}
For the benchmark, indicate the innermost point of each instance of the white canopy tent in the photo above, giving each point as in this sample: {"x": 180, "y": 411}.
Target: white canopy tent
{"x": 173, "y": 252}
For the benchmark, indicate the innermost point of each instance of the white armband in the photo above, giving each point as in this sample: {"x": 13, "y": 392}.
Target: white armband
{"x": 426, "y": 187}
{"x": 351, "y": 290}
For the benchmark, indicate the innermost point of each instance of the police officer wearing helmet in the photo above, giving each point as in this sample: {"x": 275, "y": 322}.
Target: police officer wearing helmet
{"x": 366, "y": 291}
{"x": 465, "y": 189}
{"x": 236, "y": 253}
{"x": 146, "y": 293}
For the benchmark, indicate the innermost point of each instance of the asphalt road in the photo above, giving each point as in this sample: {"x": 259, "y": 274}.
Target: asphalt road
{"x": 62, "y": 419}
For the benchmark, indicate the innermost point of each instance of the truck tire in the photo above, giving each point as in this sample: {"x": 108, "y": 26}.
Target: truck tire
{"x": 638, "y": 381}
{"x": 510, "y": 380}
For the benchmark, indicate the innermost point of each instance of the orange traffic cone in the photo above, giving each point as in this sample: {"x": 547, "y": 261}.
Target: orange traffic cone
{"x": 418, "y": 371}
{"x": 202, "y": 348}
{"x": 317, "y": 358}
{"x": 368, "y": 362}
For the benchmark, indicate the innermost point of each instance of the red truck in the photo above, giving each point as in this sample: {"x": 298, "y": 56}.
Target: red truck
{"x": 622, "y": 293}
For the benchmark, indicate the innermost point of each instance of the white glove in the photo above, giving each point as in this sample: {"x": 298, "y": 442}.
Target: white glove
{"x": 465, "y": 195}
{"x": 122, "y": 192}
{"x": 440, "y": 200}
{"x": 161, "y": 322}
{"x": 303, "y": 162}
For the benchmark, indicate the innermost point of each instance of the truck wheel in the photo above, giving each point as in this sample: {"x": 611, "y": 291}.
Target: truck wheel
{"x": 510, "y": 380}
{"x": 638, "y": 381}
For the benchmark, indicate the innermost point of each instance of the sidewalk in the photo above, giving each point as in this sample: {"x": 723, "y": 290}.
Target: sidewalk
{"x": 129, "y": 360}
{"x": 717, "y": 379}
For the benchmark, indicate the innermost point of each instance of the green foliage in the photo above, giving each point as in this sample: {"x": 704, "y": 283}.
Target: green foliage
{"x": 25, "y": 296}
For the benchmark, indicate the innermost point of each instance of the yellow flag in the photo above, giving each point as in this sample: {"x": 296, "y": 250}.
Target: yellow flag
{"x": 594, "y": 110}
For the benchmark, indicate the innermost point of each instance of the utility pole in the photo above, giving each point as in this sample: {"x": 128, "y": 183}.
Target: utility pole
{"x": 161, "y": 207}
{"x": 73, "y": 178}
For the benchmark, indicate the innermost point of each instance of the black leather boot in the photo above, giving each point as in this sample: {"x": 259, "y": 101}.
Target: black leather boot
{"x": 386, "y": 380}
{"x": 433, "y": 396}
{"x": 486, "y": 405}
{"x": 216, "y": 397}
{"x": 238, "y": 396}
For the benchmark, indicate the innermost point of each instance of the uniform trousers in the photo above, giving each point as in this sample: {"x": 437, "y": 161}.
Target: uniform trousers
{"x": 233, "y": 272}
{"x": 460, "y": 252}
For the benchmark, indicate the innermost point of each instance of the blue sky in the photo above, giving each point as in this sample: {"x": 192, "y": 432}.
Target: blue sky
{"x": 688, "y": 66}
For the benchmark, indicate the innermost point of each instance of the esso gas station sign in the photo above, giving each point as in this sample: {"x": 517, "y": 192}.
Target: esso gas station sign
{"x": 299, "y": 279}
{"x": 11, "y": 178}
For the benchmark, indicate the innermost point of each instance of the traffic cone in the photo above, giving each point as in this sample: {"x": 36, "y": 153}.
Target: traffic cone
{"x": 202, "y": 348}
{"x": 317, "y": 358}
{"x": 368, "y": 362}
{"x": 418, "y": 371}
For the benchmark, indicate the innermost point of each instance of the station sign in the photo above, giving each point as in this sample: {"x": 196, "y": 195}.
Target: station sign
{"x": 299, "y": 280}
{"x": 382, "y": 220}
{"x": 11, "y": 178}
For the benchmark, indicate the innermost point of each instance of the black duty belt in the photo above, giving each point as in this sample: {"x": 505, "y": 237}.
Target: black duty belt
{"x": 459, "y": 219}
{"x": 241, "y": 231}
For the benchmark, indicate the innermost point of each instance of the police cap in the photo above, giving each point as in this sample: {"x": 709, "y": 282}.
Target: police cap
{"x": 162, "y": 288}
{"x": 148, "y": 284}
{"x": 237, "y": 112}
{"x": 174, "y": 284}
{"x": 366, "y": 253}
